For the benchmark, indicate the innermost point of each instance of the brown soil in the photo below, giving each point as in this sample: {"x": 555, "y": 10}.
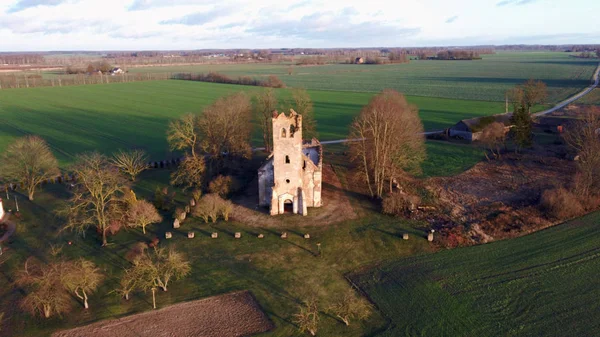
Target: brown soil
{"x": 236, "y": 314}
{"x": 499, "y": 199}
{"x": 336, "y": 206}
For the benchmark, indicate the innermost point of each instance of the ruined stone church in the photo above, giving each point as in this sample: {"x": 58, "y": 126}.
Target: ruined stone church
{"x": 291, "y": 178}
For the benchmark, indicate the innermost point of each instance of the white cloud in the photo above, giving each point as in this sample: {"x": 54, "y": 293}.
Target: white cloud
{"x": 196, "y": 24}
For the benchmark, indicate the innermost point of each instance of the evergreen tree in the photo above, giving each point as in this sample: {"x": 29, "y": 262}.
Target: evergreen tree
{"x": 522, "y": 127}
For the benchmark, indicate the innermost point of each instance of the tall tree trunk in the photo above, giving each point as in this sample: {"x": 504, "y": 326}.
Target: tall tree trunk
{"x": 85, "y": 300}
{"x": 154, "y": 298}
{"x": 47, "y": 311}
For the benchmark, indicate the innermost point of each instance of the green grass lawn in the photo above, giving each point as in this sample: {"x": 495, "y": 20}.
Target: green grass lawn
{"x": 280, "y": 273}
{"x": 486, "y": 79}
{"x": 107, "y": 117}
{"x": 543, "y": 284}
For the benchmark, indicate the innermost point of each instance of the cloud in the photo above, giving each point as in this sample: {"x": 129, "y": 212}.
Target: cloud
{"x": 199, "y": 18}
{"x": 139, "y": 5}
{"x": 330, "y": 26}
{"x": 452, "y": 19}
{"x": 24, "y": 4}
{"x": 515, "y": 2}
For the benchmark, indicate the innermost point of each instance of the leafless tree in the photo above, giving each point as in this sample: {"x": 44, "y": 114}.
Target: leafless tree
{"x": 307, "y": 317}
{"x": 225, "y": 128}
{"x": 391, "y": 141}
{"x": 96, "y": 196}
{"x": 131, "y": 162}
{"x": 156, "y": 268}
{"x": 303, "y": 105}
{"x": 493, "y": 138}
{"x": 81, "y": 278}
{"x": 29, "y": 161}
{"x": 350, "y": 306}
{"x": 265, "y": 104}
{"x": 189, "y": 173}
{"x": 182, "y": 134}
{"x": 584, "y": 138}
{"x": 141, "y": 213}
{"x": 45, "y": 293}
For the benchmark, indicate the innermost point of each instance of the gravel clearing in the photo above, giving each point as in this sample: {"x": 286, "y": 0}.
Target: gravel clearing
{"x": 235, "y": 314}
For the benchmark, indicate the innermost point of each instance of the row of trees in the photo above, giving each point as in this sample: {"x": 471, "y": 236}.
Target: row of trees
{"x": 348, "y": 307}
{"x": 272, "y": 81}
{"x": 49, "y": 287}
{"x": 28, "y": 80}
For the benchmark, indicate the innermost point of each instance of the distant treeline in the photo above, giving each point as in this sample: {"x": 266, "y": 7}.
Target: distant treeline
{"x": 28, "y": 80}
{"x": 456, "y": 55}
{"x": 214, "y": 77}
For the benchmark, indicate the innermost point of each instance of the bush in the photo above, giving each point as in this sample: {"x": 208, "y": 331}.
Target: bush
{"x": 400, "y": 203}
{"x": 561, "y": 203}
{"x": 221, "y": 185}
{"x": 211, "y": 207}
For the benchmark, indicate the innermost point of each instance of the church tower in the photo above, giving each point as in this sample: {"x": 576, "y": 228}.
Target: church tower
{"x": 287, "y": 164}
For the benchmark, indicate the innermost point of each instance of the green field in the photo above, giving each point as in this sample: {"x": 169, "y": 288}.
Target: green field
{"x": 544, "y": 284}
{"x": 486, "y": 79}
{"x": 127, "y": 115}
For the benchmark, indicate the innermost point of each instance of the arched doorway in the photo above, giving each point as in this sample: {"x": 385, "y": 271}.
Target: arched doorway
{"x": 288, "y": 206}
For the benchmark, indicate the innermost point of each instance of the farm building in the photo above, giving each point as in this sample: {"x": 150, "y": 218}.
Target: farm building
{"x": 471, "y": 129}
{"x": 359, "y": 60}
{"x": 291, "y": 177}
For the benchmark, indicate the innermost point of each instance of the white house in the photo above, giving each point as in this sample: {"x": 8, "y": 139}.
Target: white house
{"x": 116, "y": 71}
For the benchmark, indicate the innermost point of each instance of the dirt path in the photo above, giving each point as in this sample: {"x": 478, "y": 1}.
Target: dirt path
{"x": 231, "y": 315}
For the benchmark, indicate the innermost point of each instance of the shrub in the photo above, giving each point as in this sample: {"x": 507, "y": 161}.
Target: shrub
{"x": 561, "y": 203}
{"x": 400, "y": 203}
{"x": 221, "y": 185}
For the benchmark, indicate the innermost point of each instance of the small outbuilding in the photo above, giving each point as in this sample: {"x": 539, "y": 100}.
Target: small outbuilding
{"x": 116, "y": 71}
{"x": 471, "y": 129}
{"x": 359, "y": 60}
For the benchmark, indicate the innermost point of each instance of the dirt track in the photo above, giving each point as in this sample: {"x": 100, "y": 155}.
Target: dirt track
{"x": 235, "y": 314}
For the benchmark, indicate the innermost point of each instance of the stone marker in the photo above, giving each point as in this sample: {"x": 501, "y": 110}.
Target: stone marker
{"x": 307, "y": 236}
{"x": 238, "y": 235}
{"x": 260, "y": 236}
{"x": 192, "y": 202}
{"x": 191, "y": 235}
{"x": 176, "y": 223}
{"x": 405, "y": 236}
{"x": 214, "y": 235}
{"x": 284, "y": 235}
{"x": 430, "y": 235}
{"x": 168, "y": 235}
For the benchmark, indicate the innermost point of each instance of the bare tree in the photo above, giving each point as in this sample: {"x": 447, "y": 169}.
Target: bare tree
{"x": 391, "y": 141}
{"x": 131, "y": 162}
{"x": 303, "y": 105}
{"x": 189, "y": 173}
{"x": 492, "y": 138}
{"x": 265, "y": 104}
{"x": 225, "y": 128}
{"x": 182, "y": 134}
{"x": 128, "y": 283}
{"x": 157, "y": 268}
{"x": 29, "y": 161}
{"x": 350, "y": 306}
{"x": 141, "y": 213}
{"x": 45, "y": 293}
{"x": 82, "y": 277}
{"x": 307, "y": 317}
{"x": 96, "y": 198}
{"x": 584, "y": 138}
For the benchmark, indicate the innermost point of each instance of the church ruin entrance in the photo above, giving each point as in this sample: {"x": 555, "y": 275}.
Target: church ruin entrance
{"x": 288, "y": 206}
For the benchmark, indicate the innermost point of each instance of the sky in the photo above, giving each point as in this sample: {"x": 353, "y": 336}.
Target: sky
{"x": 46, "y": 25}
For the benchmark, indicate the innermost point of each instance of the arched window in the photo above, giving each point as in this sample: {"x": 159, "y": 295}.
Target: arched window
{"x": 292, "y": 130}
{"x": 283, "y": 133}
{"x": 287, "y": 159}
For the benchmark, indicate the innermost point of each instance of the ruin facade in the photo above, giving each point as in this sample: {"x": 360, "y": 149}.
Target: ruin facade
{"x": 291, "y": 178}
